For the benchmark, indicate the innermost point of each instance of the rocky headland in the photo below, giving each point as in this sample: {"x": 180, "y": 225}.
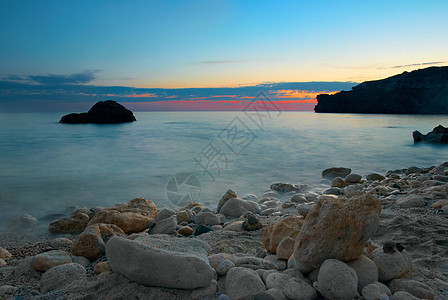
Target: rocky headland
{"x": 439, "y": 135}
{"x": 103, "y": 112}
{"x": 352, "y": 237}
{"x": 424, "y": 91}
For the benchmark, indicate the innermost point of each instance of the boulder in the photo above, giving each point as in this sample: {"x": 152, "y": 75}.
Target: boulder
{"x": 353, "y": 178}
{"x": 161, "y": 261}
{"x": 276, "y": 232}
{"x": 229, "y": 194}
{"x": 47, "y": 260}
{"x": 103, "y": 112}
{"x": 365, "y": 269}
{"x": 413, "y": 287}
{"x": 165, "y": 226}
{"x": 60, "y": 276}
{"x": 292, "y": 288}
{"x": 331, "y": 173}
{"x": 75, "y": 223}
{"x": 235, "y": 207}
{"x": 133, "y": 216}
{"x": 242, "y": 282}
{"x": 336, "y": 280}
{"x": 439, "y": 135}
{"x": 91, "y": 243}
{"x": 391, "y": 263}
{"x": 336, "y": 228}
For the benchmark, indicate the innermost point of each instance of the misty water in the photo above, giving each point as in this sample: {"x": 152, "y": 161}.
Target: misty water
{"x": 46, "y": 167}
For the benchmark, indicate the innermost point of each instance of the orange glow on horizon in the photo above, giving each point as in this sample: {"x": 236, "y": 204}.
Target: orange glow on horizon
{"x": 300, "y": 94}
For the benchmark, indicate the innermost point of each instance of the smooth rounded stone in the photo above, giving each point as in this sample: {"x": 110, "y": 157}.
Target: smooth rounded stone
{"x": 413, "y": 170}
{"x": 298, "y": 198}
{"x": 276, "y": 294}
{"x": 60, "y": 276}
{"x": 201, "y": 229}
{"x": 102, "y": 267}
{"x": 332, "y": 191}
{"x": 192, "y": 205}
{"x": 75, "y": 223}
{"x": 216, "y": 259}
{"x": 281, "y": 264}
{"x": 22, "y": 222}
{"x": 384, "y": 288}
{"x": 207, "y": 218}
{"x": 331, "y": 173}
{"x": 304, "y": 209}
{"x": 2, "y": 262}
{"x": 185, "y": 216}
{"x": 284, "y": 187}
{"x": 287, "y": 205}
{"x": 375, "y": 176}
{"x": 235, "y": 207}
{"x": 255, "y": 263}
{"x": 374, "y": 292}
{"x": 338, "y": 182}
{"x": 336, "y": 280}
{"x": 161, "y": 261}
{"x": 163, "y": 214}
{"x": 133, "y": 216}
{"x": 91, "y": 243}
{"x": 413, "y": 287}
{"x": 365, "y": 269}
{"x": 439, "y": 204}
{"x": 60, "y": 242}
{"x": 251, "y": 197}
{"x": 235, "y": 226}
{"x": 271, "y": 194}
{"x": 241, "y": 282}
{"x": 224, "y": 267}
{"x": 353, "y": 178}
{"x": 312, "y": 276}
{"x": 46, "y": 260}
{"x": 311, "y": 196}
{"x": 198, "y": 209}
{"x": 292, "y": 288}
{"x": 403, "y": 296}
{"x": 410, "y": 201}
{"x": 206, "y": 292}
{"x": 336, "y": 228}
{"x": 391, "y": 265}
{"x": 267, "y": 212}
{"x": 216, "y": 227}
{"x": 266, "y": 273}
{"x": 5, "y": 254}
{"x": 83, "y": 261}
{"x": 185, "y": 230}
{"x": 285, "y": 248}
{"x": 270, "y": 203}
{"x": 165, "y": 226}
{"x": 276, "y": 232}
{"x": 229, "y": 194}
{"x": 223, "y": 297}
{"x": 353, "y": 190}
{"x": 251, "y": 223}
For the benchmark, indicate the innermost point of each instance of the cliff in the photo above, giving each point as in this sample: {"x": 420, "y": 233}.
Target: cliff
{"x": 423, "y": 91}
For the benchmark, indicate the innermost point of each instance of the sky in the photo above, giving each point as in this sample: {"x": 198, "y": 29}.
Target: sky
{"x": 66, "y": 55}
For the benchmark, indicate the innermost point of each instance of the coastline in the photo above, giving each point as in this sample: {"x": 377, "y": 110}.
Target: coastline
{"x": 414, "y": 209}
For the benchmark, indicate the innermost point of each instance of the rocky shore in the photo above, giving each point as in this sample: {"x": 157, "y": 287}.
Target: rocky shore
{"x": 352, "y": 237}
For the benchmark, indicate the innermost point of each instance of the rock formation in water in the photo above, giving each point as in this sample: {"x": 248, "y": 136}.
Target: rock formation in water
{"x": 103, "y": 112}
{"x": 438, "y": 135}
{"x": 423, "y": 91}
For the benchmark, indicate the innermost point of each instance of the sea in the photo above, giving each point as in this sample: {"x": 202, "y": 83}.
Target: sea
{"x": 173, "y": 158}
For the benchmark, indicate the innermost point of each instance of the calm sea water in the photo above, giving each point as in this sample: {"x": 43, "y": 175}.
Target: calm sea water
{"x": 46, "y": 167}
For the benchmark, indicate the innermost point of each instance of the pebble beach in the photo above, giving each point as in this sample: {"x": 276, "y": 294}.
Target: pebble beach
{"x": 353, "y": 236}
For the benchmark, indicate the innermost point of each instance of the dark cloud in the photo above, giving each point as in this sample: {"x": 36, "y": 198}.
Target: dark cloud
{"x": 415, "y": 65}
{"x": 79, "y": 78}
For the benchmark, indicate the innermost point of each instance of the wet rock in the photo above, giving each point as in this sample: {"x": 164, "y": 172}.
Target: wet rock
{"x": 298, "y": 198}
{"x": 375, "y": 176}
{"x": 338, "y": 182}
{"x": 103, "y": 112}
{"x": 336, "y": 280}
{"x": 292, "y": 288}
{"x": 336, "y": 228}
{"x": 275, "y": 232}
{"x": 439, "y": 135}
{"x": 284, "y": 187}
{"x": 353, "y": 178}
{"x": 133, "y": 216}
{"x": 229, "y": 194}
{"x": 241, "y": 282}
{"x": 161, "y": 261}
{"x": 91, "y": 243}
{"x": 353, "y": 190}
{"x": 60, "y": 276}
{"x": 235, "y": 207}
{"x": 304, "y": 209}
{"x": 47, "y": 260}
{"x": 75, "y": 223}
{"x": 413, "y": 287}
{"x": 331, "y": 173}
{"x": 332, "y": 191}
{"x": 165, "y": 226}
{"x": 251, "y": 223}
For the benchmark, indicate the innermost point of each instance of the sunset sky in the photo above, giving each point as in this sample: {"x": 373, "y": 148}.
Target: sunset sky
{"x": 65, "y": 55}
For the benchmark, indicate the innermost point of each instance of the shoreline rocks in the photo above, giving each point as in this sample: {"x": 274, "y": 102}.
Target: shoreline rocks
{"x": 103, "y": 112}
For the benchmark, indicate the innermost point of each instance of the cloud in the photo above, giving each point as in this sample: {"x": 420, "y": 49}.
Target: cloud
{"x": 79, "y": 78}
{"x": 415, "y": 65}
